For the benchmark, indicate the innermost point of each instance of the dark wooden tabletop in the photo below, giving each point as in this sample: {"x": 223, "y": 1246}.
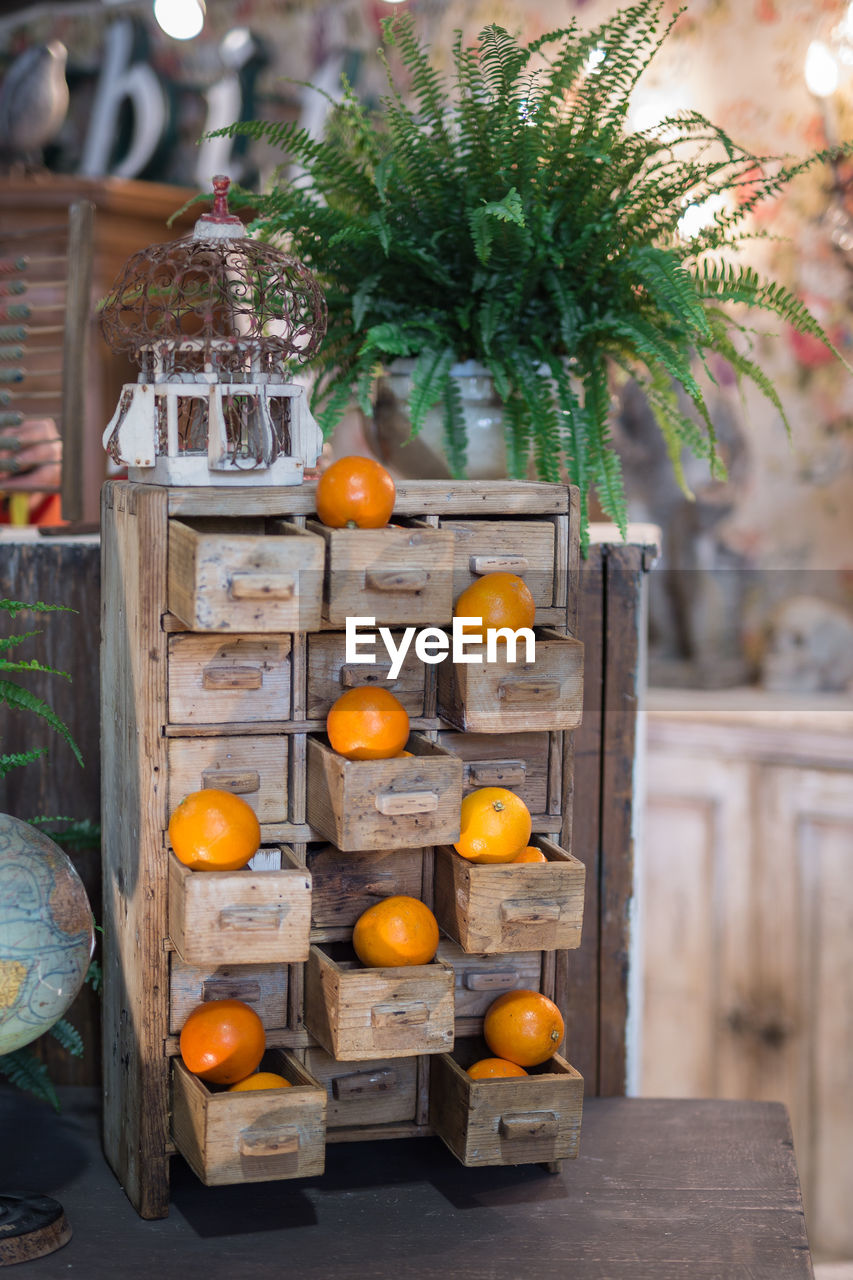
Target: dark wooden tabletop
{"x": 662, "y": 1190}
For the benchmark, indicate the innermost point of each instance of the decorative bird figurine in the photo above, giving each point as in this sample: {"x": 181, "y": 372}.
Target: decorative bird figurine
{"x": 33, "y": 104}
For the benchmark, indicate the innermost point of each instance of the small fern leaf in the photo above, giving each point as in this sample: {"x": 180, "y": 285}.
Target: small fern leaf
{"x": 453, "y": 426}
{"x": 26, "y": 1071}
{"x": 68, "y": 1037}
{"x": 429, "y": 379}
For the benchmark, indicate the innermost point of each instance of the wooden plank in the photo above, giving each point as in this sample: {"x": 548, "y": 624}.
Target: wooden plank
{"x": 577, "y": 978}
{"x": 133, "y": 780}
{"x": 78, "y": 301}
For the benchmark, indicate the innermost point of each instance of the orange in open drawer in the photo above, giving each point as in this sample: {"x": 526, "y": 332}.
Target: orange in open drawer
{"x": 251, "y": 1136}
{"x": 240, "y": 917}
{"x": 511, "y": 906}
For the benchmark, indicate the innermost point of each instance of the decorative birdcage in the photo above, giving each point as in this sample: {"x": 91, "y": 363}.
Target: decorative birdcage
{"x": 217, "y": 322}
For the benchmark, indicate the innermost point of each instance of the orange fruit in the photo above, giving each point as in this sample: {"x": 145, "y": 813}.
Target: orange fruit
{"x": 530, "y": 854}
{"x": 260, "y": 1080}
{"x": 355, "y": 493}
{"x": 222, "y": 1041}
{"x": 494, "y": 1069}
{"x": 499, "y": 599}
{"x": 367, "y": 723}
{"x": 524, "y": 1027}
{"x": 396, "y": 931}
{"x": 214, "y": 830}
{"x": 495, "y": 825}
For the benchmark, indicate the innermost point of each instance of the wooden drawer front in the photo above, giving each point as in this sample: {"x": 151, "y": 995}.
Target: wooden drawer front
{"x": 330, "y": 675}
{"x": 381, "y": 1091}
{"x": 523, "y": 547}
{"x": 242, "y": 575}
{"x": 513, "y": 907}
{"x": 524, "y": 1120}
{"x": 395, "y": 575}
{"x": 480, "y": 979}
{"x": 252, "y": 1136}
{"x": 520, "y": 763}
{"x": 358, "y": 1013}
{"x": 254, "y": 767}
{"x": 240, "y": 917}
{"x": 506, "y": 697}
{"x": 216, "y": 681}
{"x": 263, "y": 986}
{"x": 346, "y": 884}
{"x": 384, "y": 804}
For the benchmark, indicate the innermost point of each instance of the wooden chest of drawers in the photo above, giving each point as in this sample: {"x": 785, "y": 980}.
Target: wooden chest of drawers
{"x": 222, "y": 650}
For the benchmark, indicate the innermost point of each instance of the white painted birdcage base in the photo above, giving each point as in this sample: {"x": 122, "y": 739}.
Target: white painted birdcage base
{"x": 194, "y": 470}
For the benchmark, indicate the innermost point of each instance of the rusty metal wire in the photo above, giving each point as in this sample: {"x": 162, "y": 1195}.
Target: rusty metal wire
{"x": 236, "y": 306}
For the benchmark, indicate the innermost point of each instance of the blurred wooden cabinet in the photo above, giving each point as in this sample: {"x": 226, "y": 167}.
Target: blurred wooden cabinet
{"x": 747, "y": 908}
{"x": 128, "y": 216}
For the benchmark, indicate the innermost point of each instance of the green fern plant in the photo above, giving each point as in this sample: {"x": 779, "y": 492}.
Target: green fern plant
{"x": 506, "y": 213}
{"x": 23, "y": 1067}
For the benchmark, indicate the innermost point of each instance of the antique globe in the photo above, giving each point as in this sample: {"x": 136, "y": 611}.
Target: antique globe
{"x": 46, "y": 933}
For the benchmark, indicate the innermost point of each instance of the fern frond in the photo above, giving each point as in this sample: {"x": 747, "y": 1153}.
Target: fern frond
{"x": 20, "y": 699}
{"x": 16, "y": 759}
{"x": 26, "y": 1071}
{"x": 68, "y": 1037}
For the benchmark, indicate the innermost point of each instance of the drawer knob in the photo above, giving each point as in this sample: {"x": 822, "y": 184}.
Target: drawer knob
{"x": 231, "y": 989}
{"x": 392, "y": 803}
{"x": 245, "y": 917}
{"x": 496, "y": 773}
{"x": 494, "y": 980}
{"x": 396, "y": 1015}
{"x": 381, "y": 1080}
{"x": 235, "y": 676}
{"x": 242, "y": 782}
{"x": 529, "y": 1124}
{"x": 530, "y": 910}
{"x": 498, "y": 564}
{"x": 269, "y": 1142}
{"x": 527, "y": 691}
{"x": 401, "y": 580}
{"x": 262, "y": 586}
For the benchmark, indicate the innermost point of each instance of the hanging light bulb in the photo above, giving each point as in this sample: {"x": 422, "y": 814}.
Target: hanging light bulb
{"x": 821, "y": 70}
{"x": 180, "y": 19}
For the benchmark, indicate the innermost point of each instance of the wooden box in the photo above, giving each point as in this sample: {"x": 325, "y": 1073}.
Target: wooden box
{"x": 507, "y": 697}
{"x": 330, "y": 675}
{"x": 345, "y": 884}
{"x": 520, "y": 1120}
{"x": 522, "y": 547}
{"x": 384, "y": 804}
{"x": 396, "y": 575}
{"x": 244, "y": 575}
{"x": 254, "y": 767}
{"x": 226, "y": 681}
{"x": 240, "y": 917}
{"x": 527, "y": 763}
{"x": 252, "y": 1136}
{"x": 480, "y": 979}
{"x": 357, "y": 1012}
{"x": 525, "y": 906}
{"x": 379, "y": 1091}
{"x": 263, "y": 986}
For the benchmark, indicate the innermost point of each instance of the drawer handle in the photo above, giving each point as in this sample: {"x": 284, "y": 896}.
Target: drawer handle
{"x": 529, "y": 690}
{"x": 529, "y": 1124}
{"x": 232, "y": 677}
{"x": 496, "y": 980}
{"x": 251, "y": 918}
{"x": 381, "y": 1080}
{"x": 231, "y": 989}
{"x": 531, "y": 910}
{"x": 392, "y": 803}
{"x": 498, "y": 564}
{"x": 262, "y": 586}
{"x": 271, "y": 1142}
{"x": 396, "y": 1015}
{"x": 496, "y": 773}
{"x": 353, "y": 674}
{"x": 241, "y": 781}
{"x": 399, "y": 580}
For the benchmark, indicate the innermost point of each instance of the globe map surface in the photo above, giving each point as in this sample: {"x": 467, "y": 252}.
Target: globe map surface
{"x": 46, "y": 933}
